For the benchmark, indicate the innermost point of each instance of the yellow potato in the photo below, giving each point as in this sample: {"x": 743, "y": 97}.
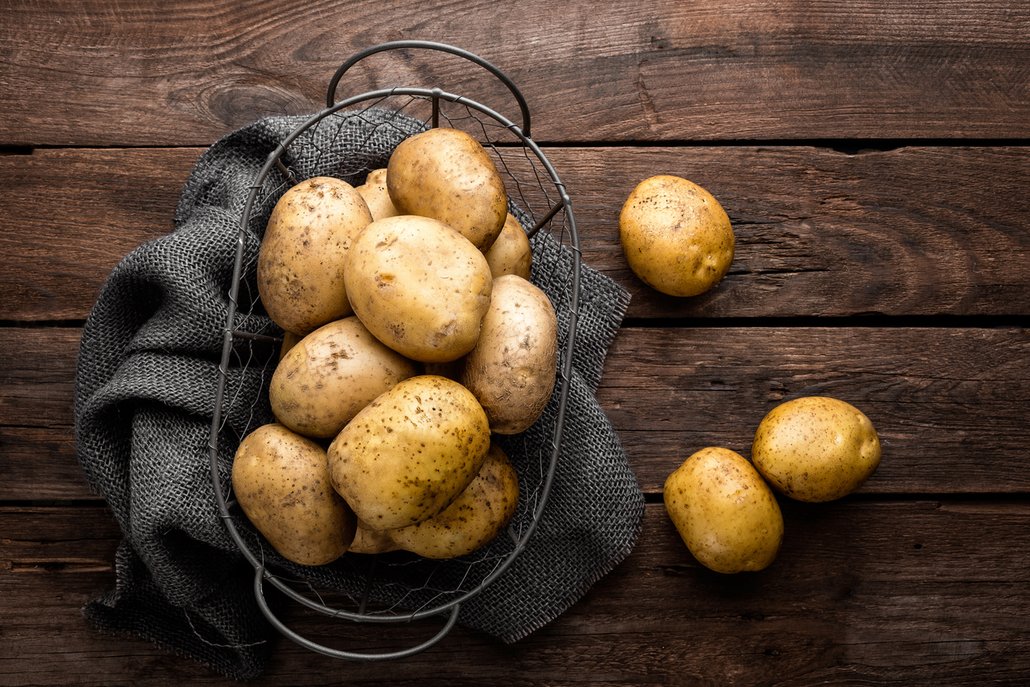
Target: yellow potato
{"x": 419, "y": 286}
{"x": 331, "y": 374}
{"x": 512, "y": 368}
{"x": 376, "y": 196}
{"x": 281, "y": 481}
{"x": 511, "y": 252}
{"x": 300, "y": 262}
{"x": 368, "y": 540}
{"x": 472, "y": 520}
{"x": 816, "y": 448}
{"x": 447, "y": 175}
{"x": 410, "y": 452}
{"x": 725, "y": 514}
{"x": 676, "y": 236}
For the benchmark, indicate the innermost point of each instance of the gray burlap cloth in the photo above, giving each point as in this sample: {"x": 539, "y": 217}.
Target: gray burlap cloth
{"x": 145, "y": 393}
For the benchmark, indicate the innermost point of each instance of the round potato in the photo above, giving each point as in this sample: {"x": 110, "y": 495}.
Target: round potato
{"x": 331, "y": 374}
{"x": 816, "y": 448}
{"x": 376, "y": 195}
{"x": 512, "y": 368}
{"x": 301, "y": 259}
{"x": 419, "y": 286}
{"x": 410, "y": 452}
{"x": 675, "y": 235}
{"x": 472, "y": 520}
{"x": 281, "y": 481}
{"x": 447, "y": 175}
{"x": 511, "y": 252}
{"x": 725, "y": 514}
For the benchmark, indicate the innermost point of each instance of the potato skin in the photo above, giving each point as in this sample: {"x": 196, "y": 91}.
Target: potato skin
{"x": 447, "y": 175}
{"x": 676, "y": 236}
{"x": 368, "y": 540}
{"x": 281, "y": 481}
{"x": 472, "y": 520}
{"x": 816, "y": 448}
{"x": 419, "y": 286}
{"x": 301, "y": 259}
{"x": 376, "y": 195}
{"x": 512, "y": 368}
{"x": 725, "y": 514}
{"x": 511, "y": 253}
{"x": 331, "y": 374}
{"x": 410, "y": 452}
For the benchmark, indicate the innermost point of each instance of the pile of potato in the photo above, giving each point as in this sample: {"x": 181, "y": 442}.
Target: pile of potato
{"x": 412, "y": 336}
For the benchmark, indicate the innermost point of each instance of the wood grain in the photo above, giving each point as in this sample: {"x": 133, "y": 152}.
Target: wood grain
{"x": 914, "y": 231}
{"x": 848, "y": 601}
{"x": 186, "y": 72}
{"x": 950, "y": 404}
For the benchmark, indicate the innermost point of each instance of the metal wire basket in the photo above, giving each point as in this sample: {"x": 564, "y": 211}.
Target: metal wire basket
{"x": 399, "y": 588}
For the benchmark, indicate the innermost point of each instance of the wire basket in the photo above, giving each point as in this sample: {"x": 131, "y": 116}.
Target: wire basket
{"x": 397, "y": 587}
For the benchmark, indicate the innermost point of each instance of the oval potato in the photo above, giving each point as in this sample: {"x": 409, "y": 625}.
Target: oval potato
{"x": 410, "y": 452}
{"x": 816, "y": 448}
{"x": 281, "y": 481}
{"x": 472, "y": 520}
{"x": 419, "y": 286}
{"x": 725, "y": 514}
{"x": 331, "y": 374}
{"x": 511, "y": 253}
{"x": 511, "y": 370}
{"x": 301, "y": 258}
{"x": 446, "y": 174}
{"x": 376, "y": 195}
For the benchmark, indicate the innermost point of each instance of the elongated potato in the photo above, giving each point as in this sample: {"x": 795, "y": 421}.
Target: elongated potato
{"x": 410, "y": 452}
{"x": 419, "y": 286}
{"x": 301, "y": 260}
{"x": 511, "y": 253}
{"x": 447, "y": 175}
{"x": 473, "y": 520}
{"x": 511, "y": 370}
{"x": 281, "y": 481}
{"x": 331, "y": 374}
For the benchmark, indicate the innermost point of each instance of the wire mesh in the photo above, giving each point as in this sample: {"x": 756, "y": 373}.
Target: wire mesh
{"x": 396, "y": 586}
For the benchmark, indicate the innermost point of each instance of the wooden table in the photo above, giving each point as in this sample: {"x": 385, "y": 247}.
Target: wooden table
{"x": 872, "y": 157}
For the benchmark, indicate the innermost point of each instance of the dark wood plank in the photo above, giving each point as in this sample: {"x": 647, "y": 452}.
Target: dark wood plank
{"x": 885, "y": 592}
{"x": 950, "y": 404}
{"x": 913, "y": 231}
{"x": 186, "y": 72}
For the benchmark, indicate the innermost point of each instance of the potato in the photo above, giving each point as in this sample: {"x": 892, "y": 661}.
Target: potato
{"x": 419, "y": 286}
{"x": 376, "y": 196}
{"x": 331, "y": 374}
{"x": 725, "y": 514}
{"x": 675, "y": 235}
{"x": 472, "y": 520}
{"x": 368, "y": 540}
{"x": 289, "y": 341}
{"x": 511, "y": 370}
{"x": 410, "y": 452}
{"x": 301, "y": 259}
{"x": 281, "y": 481}
{"x": 511, "y": 252}
{"x": 447, "y": 175}
{"x": 816, "y": 448}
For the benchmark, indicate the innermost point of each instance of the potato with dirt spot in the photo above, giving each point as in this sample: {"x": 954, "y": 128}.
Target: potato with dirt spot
{"x": 472, "y": 520}
{"x": 512, "y": 368}
{"x": 676, "y": 236}
{"x": 301, "y": 258}
{"x": 816, "y": 448}
{"x": 419, "y": 286}
{"x": 281, "y": 481}
{"x": 446, "y": 174}
{"x": 376, "y": 195}
{"x": 726, "y": 515}
{"x": 330, "y": 375}
{"x": 410, "y": 452}
{"x": 511, "y": 253}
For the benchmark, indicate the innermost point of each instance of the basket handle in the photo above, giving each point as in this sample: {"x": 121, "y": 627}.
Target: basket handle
{"x": 430, "y": 45}
{"x": 259, "y": 594}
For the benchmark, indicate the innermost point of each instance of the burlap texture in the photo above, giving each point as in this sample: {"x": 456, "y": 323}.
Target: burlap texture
{"x": 145, "y": 395}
